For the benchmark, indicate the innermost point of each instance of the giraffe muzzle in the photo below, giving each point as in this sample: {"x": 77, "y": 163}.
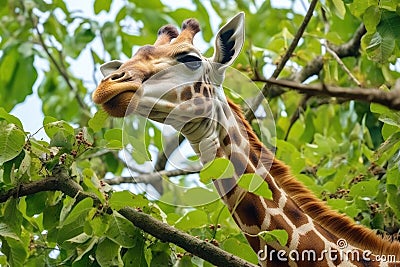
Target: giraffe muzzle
{"x": 115, "y": 93}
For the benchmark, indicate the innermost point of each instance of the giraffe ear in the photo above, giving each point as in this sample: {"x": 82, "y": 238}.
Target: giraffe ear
{"x": 109, "y": 67}
{"x": 229, "y": 41}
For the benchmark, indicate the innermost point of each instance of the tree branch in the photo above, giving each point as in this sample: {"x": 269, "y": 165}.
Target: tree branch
{"x": 162, "y": 159}
{"x": 150, "y": 177}
{"x": 326, "y": 44}
{"x": 249, "y": 113}
{"x": 389, "y": 99}
{"x": 60, "y": 181}
{"x": 63, "y": 74}
{"x": 166, "y": 233}
{"x": 349, "y": 49}
{"x": 301, "y": 107}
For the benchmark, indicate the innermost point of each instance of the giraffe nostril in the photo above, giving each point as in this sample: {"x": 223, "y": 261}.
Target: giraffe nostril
{"x": 117, "y": 76}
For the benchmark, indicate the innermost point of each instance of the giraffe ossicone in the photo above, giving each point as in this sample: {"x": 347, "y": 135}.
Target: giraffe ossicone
{"x": 173, "y": 83}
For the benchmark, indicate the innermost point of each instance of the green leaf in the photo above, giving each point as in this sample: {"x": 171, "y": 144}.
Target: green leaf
{"x": 290, "y": 155}
{"x": 254, "y": 183}
{"x": 12, "y": 141}
{"x": 392, "y": 118}
{"x": 393, "y": 176}
{"x": 73, "y": 225}
{"x": 389, "y": 143}
{"x": 51, "y": 216}
{"x": 161, "y": 259}
{"x": 150, "y": 4}
{"x": 68, "y": 204}
{"x": 358, "y": 7}
{"x": 121, "y": 231}
{"x": 6, "y": 231}
{"x": 99, "y": 225}
{"x": 364, "y": 189}
{"x": 100, "y": 117}
{"x": 9, "y": 167}
{"x": 109, "y": 36}
{"x": 16, "y": 252}
{"x": 199, "y": 196}
{"x": 380, "y": 45}
{"x": 340, "y": 9}
{"x": 372, "y": 17}
{"x": 83, "y": 207}
{"x": 83, "y": 35}
{"x": 100, "y": 5}
{"x": 219, "y": 168}
{"x": 108, "y": 253}
{"x": 13, "y": 216}
{"x": 388, "y": 27}
{"x": 18, "y": 74}
{"x": 393, "y": 198}
{"x": 85, "y": 248}
{"x": 203, "y": 14}
{"x": 279, "y": 235}
{"x": 337, "y": 204}
{"x": 378, "y": 48}
{"x": 378, "y": 221}
{"x": 352, "y": 211}
{"x": 139, "y": 151}
{"x": 62, "y": 139}
{"x": 192, "y": 219}
{"x": 160, "y": 255}
{"x": 36, "y": 203}
{"x": 135, "y": 257}
{"x": 114, "y": 138}
{"x": 241, "y": 249}
{"x": 52, "y": 126}
{"x": 380, "y": 109}
{"x": 125, "y": 198}
{"x": 10, "y": 118}
{"x": 79, "y": 239}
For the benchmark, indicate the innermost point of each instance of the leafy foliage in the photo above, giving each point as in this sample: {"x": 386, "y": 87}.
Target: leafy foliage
{"x": 346, "y": 153}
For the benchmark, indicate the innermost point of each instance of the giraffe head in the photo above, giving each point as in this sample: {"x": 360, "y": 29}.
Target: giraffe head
{"x": 169, "y": 76}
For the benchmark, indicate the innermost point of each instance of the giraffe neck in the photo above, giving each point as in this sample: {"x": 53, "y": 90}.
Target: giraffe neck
{"x": 311, "y": 226}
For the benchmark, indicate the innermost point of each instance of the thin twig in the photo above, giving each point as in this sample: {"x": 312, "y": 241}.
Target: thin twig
{"x": 198, "y": 247}
{"x": 249, "y": 113}
{"x": 326, "y": 44}
{"x": 341, "y": 64}
{"x": 389, "y": 99}
{"x": 95, "y": 82}
{"x": 150, "y": 177}
{"x": 63, "y": 74}
{"x": 301, "y": 106}
{"x": 348, "y": 49}
{"x": 97, "y": 154}
{"x": 162, "y": 159}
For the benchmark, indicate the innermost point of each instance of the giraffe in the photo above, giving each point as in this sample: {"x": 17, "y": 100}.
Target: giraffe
{"x": 173, "y": 83}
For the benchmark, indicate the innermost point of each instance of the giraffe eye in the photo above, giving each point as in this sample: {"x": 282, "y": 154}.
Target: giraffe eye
{"x": 190, "y": 61}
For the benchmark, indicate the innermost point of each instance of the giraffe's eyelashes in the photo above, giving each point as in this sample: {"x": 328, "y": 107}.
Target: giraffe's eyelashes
{"x": 190, "y": 61}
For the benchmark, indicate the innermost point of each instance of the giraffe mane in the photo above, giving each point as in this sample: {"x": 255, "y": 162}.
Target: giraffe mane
{"x": 338, "y": 224}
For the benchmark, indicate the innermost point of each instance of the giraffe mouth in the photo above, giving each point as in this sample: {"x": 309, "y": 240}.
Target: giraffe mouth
{"x": 116, "y": 97}
{"x": 106, "y": 92}
{"x": 120, "y": 105}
